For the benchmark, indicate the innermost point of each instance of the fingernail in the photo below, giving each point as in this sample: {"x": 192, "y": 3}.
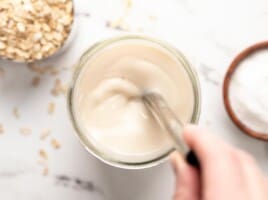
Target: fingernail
{"x": 177, "y": 162}
{"x": 191, "y": 128}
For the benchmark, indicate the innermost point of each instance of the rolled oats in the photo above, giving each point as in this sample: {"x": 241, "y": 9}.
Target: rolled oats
{"x": 58, "y": 88}
{"x": 43, "y": 154}
{"x": 120, "y": 23}
{"x": 32, "y": 30}
{"x": 55, "y": 144}
{"x": 51, "y": 108}
{"x": 16, "y": 113}
{"x": 45, "y": 134}
{"x": 2, "y": 129}
{"x": 40, "y": 70}
{"x": 35, "y": 81}
{"x": 45, "y": 171}
{"x": 2, "y": 45}
{"x": 25, "y": 131}
{"x": 2, "y": 72}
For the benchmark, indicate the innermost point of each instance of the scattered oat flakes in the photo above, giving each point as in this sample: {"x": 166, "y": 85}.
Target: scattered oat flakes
{"x": 33, "y": 29}
{"x": 51, "y": 108}
{"x": 2, "y": 72}
{"x": 54, "y": 71}
{"x": 36, "y": 68}
{"x": 35, "y": 81}
{"x": 45, "y": 171}
{"x": 128, "y": 4}
{"x": 58, "y": 88}
{"x": 2, "y": 129}
{"x": 16, "y": 113}
{"x": 25, "y": 131}
{"x": 45, "y": 134}
{"x": 43, "y": 154}
{"x": 55, "y": 143}
{"x": 49, "y": 69}
{"x": 120, "y": 22}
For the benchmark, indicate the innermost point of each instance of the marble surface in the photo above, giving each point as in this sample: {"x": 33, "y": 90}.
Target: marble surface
{"x": 209, "y": 32}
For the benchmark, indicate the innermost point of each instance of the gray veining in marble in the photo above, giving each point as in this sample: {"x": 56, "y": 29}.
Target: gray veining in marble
{"x": 210, "y": 33}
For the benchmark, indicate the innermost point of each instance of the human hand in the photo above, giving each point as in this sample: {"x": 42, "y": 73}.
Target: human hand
{"x": 226, "y": 173}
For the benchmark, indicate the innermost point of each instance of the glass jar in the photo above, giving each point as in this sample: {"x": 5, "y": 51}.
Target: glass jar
{"x": 87, "y": 56}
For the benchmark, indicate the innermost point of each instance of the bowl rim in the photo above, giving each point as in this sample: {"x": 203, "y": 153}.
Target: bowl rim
{"x": 253, "y": 49}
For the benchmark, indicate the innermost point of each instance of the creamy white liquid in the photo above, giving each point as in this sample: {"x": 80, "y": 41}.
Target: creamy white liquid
{"x": 108, "y": 110}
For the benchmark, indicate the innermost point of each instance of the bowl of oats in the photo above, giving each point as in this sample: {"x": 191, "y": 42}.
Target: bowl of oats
{"x": 32, "y": 30}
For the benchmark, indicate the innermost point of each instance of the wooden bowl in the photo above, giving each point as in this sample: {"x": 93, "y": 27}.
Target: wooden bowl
{"x": 228, "y": 77}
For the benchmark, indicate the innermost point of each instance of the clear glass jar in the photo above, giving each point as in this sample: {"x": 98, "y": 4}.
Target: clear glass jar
{"x": 82, "y": 63}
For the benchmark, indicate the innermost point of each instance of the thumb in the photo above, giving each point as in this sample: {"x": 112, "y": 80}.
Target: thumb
{"x": 187, "y": 179}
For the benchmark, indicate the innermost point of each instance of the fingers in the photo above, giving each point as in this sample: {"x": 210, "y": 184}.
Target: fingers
{"x": 187, "y": 179}
{"x": 252, "y": 175}
{"x": 219, "y": 164}
{"x": 206, "y": 146}
{"x": 210, "y": 150}
{"x": 225, "y": 170}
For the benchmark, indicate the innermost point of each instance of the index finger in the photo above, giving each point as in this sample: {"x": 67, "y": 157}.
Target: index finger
{"x": 206, "y": 146}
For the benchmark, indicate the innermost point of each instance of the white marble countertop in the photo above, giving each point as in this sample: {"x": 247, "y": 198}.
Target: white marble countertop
{"x": 210, "y": 33}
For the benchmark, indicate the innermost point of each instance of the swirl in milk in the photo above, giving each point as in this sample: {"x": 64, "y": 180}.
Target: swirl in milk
{"x": 108, "y": 109}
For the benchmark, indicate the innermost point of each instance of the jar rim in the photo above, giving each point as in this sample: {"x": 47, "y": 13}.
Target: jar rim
{"x": 88, "y": 54}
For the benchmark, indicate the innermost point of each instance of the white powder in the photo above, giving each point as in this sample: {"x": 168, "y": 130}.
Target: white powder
{"x": 249, "y": 92}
